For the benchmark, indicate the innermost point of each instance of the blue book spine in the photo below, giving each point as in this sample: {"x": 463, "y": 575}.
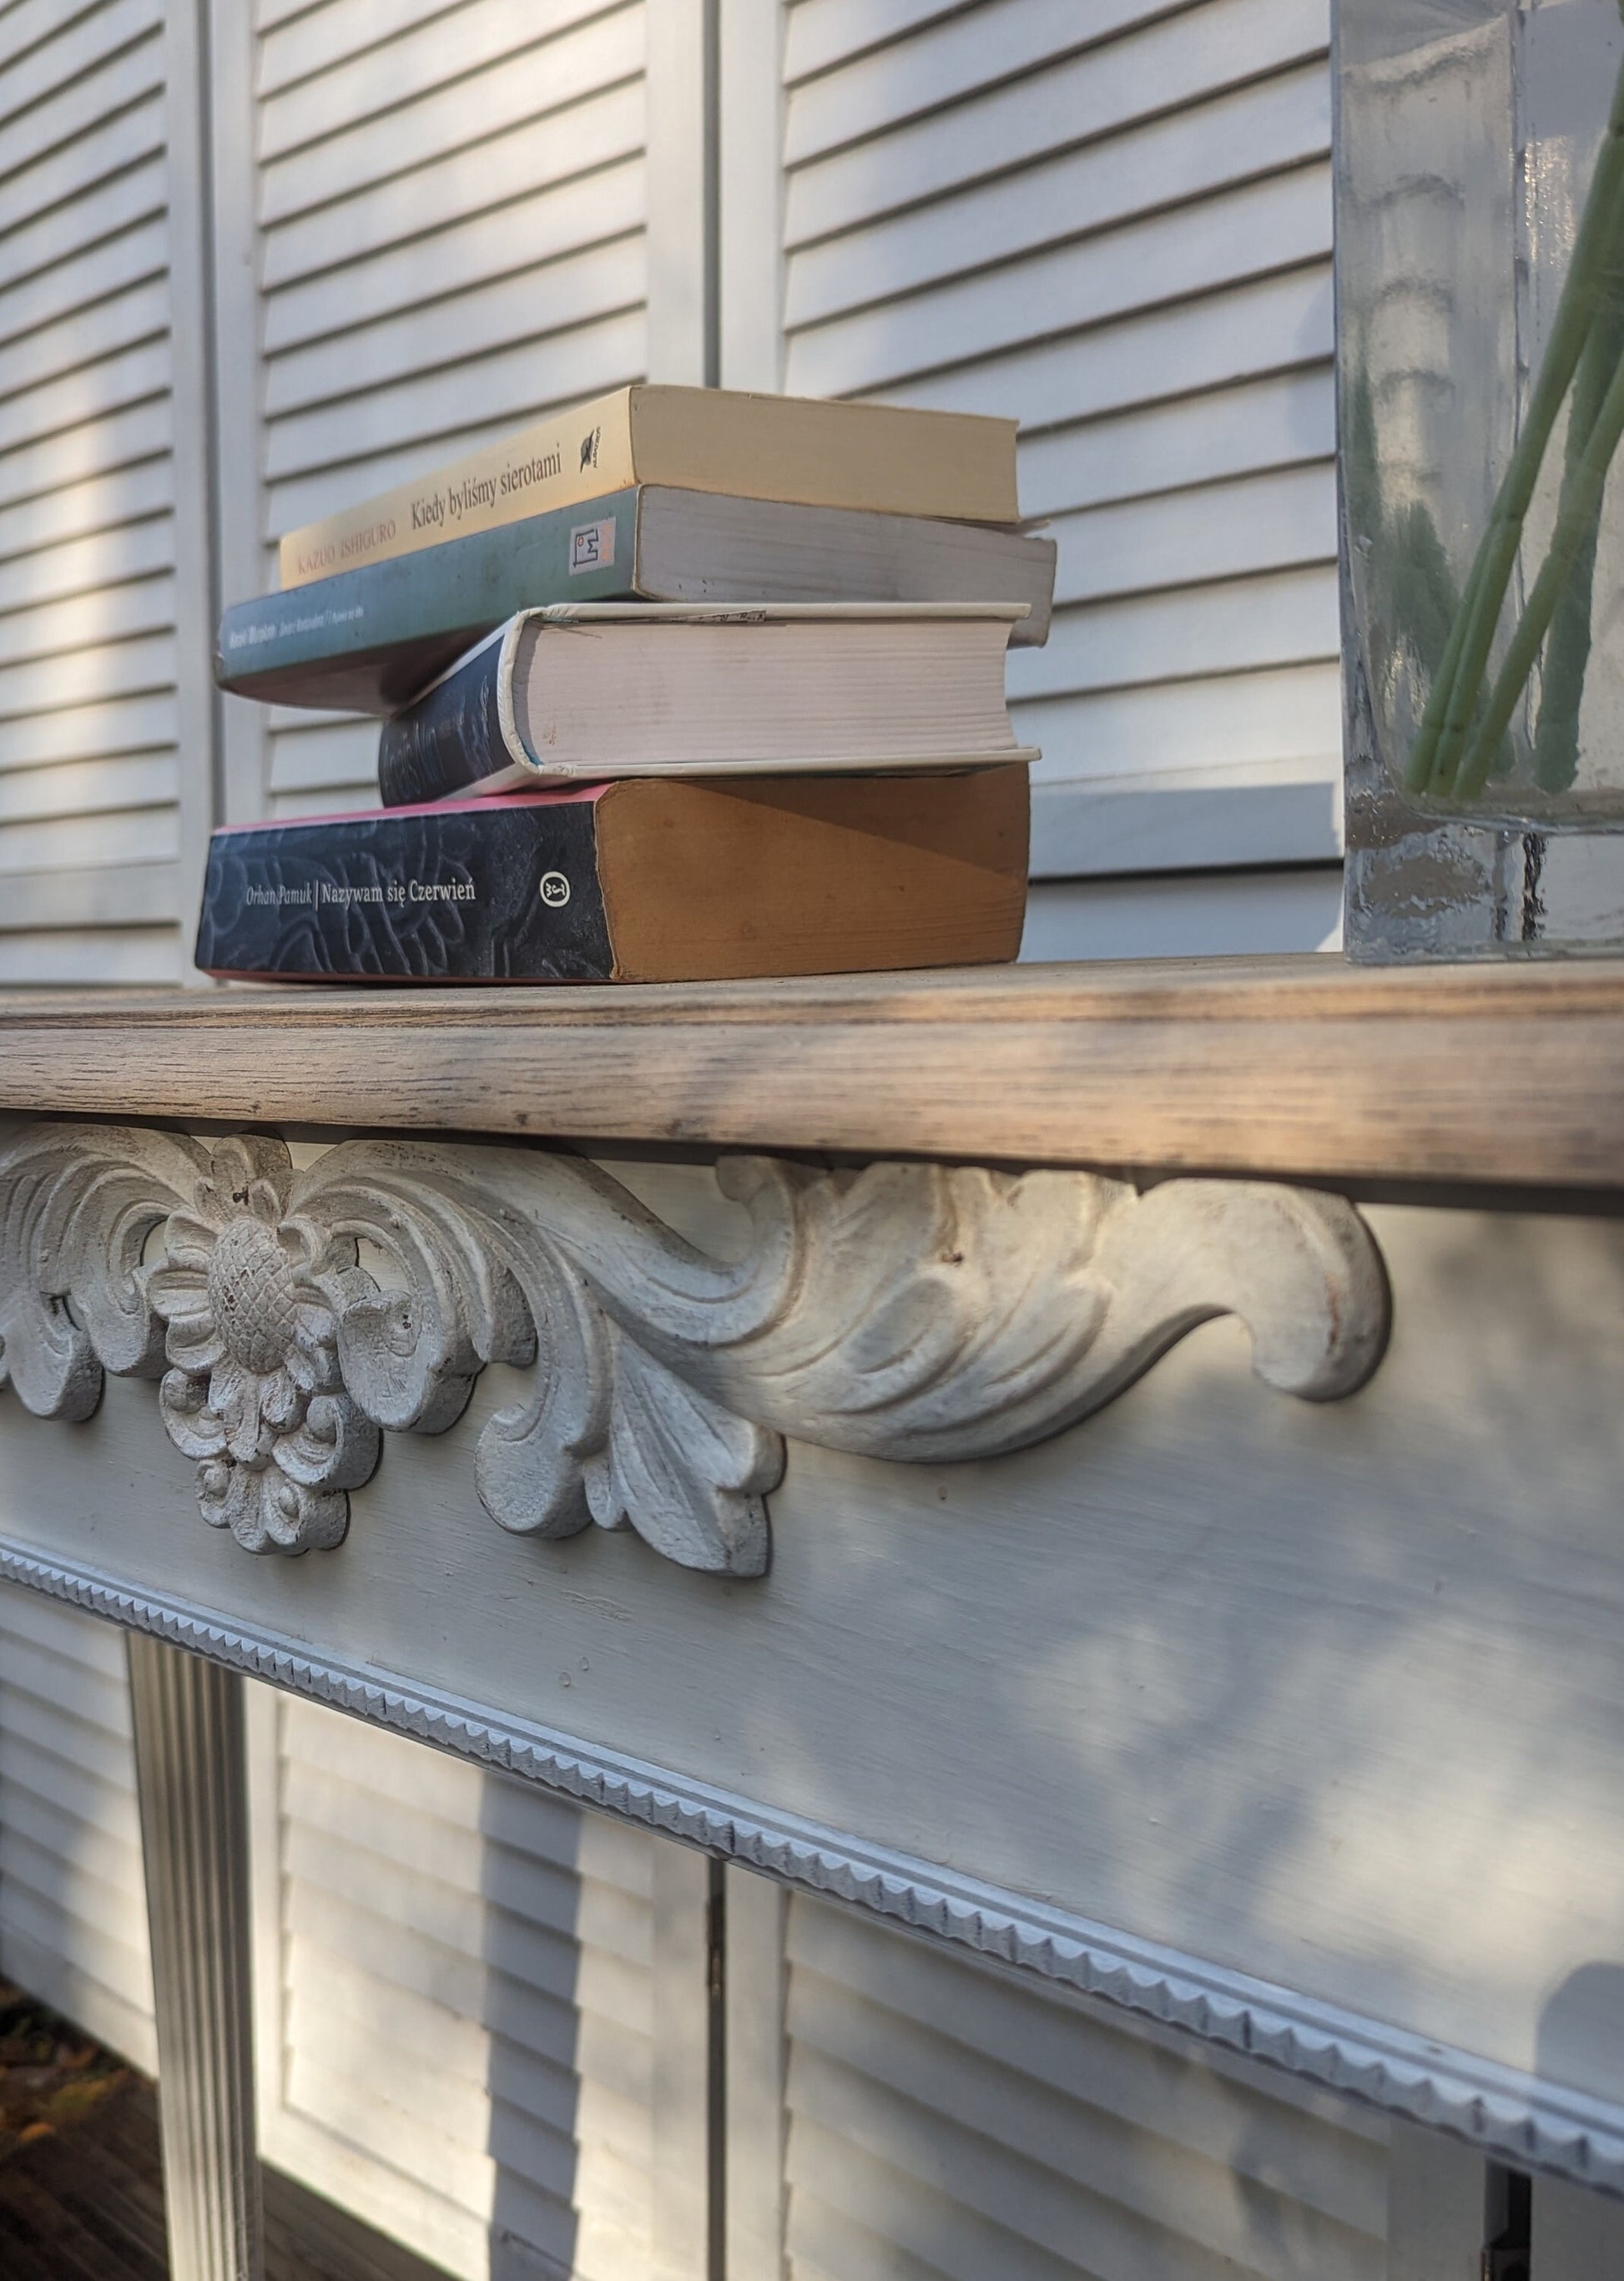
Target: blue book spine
{"x": 452, "y": 737}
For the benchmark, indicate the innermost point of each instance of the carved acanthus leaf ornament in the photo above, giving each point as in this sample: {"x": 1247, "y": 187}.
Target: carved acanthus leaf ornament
{"x": 920, "y": 1312}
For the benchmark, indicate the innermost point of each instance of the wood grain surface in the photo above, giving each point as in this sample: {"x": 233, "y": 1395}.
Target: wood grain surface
{"x": 1292, "y": 1065}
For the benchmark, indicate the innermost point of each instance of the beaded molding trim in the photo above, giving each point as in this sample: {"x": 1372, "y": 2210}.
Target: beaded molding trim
{"x": 1506, "y": 2113}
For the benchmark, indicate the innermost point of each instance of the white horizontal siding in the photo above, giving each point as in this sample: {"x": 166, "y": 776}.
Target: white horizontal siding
{"x": 73, "y": 1909}
{"x": 465, "y": 2015}
{"x": 451, "y": 241}
{"x": 1185, "y": 912}
{"x": 89, "y": 832}
{"x": 946, "y": 2124}
{"x": 1112, "y": 220}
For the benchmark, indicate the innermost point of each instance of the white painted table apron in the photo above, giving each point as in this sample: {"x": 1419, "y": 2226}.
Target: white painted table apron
{"x": 1203, "y": 1592}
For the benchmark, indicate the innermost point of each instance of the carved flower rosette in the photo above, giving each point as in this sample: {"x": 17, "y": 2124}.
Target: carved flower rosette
{"x": 909, "y": 1311}
{"x": 251, "y": 1294}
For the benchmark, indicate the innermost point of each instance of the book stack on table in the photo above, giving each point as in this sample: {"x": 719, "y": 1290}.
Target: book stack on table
{"x": 681, "y": 686}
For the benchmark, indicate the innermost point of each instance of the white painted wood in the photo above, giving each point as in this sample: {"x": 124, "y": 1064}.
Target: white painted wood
{"x": 71, "y": 955}
{"x": 1284, "y": 420}
{"x": 682, "y": 191}
{"x": 750, "y": 194}
{"x": 436, "y": 228}
{"x": 102, "y": 535}
{"x": 1575, "y": 2235}
{"x": 946, "y": 61}
{"x": 1185, "y": 915}
{"x": 57, "y": 573}
{"x": 1248, "y": 525}
{"x": 1038, "y": 1300}
{"x": 191, "y": 1782}
{"x": 1279, "y": 123}
{"x": 687, "y": 2091}
{"x": 1438, "y": 2206}
{"x": 756, "y": 1988}
{"x": 1113, "y": 223}
{"x": 73, "y": 1906}
{"x": 460, "y": 1976}
{"x": 1095, "y": 90}
{"x": 1281, "y": 617}
{"x": 1238, "y": 1662}
{"x": 90, "y": 787}
{"x": 1272, "y": 724}
{"x": 242, "y": 556}
{"x": 190, "y": 255}
{"x": 103, "y": 726}
{"x": 943, "y": 2120}
{"x": 1153, "y": 824}
{"x": 130, "y": 883}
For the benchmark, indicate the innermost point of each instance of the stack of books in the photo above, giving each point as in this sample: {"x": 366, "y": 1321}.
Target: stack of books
{"x": 682, "y": 685}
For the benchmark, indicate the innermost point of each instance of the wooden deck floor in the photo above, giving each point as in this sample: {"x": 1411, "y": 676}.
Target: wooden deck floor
{"x": 87, "y": 2204}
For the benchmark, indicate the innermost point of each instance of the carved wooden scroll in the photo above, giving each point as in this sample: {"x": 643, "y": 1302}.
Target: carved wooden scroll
{"x": 910, "y": 1311}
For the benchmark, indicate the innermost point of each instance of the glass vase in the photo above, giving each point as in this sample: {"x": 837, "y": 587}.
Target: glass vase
{"x": 1480, "y": 279}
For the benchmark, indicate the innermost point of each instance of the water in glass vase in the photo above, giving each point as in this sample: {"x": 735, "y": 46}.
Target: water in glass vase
{"x": 1480, "y": 330}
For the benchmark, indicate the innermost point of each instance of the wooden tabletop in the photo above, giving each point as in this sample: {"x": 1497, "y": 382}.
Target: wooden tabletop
{"x": 1300, "y": 1065}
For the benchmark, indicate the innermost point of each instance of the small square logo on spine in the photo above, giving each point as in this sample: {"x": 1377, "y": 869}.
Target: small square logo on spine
{"x": 591, "y": 546}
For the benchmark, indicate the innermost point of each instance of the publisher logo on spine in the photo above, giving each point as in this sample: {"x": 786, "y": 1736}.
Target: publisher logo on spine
{"x": 591, "y": 546}
{"x": 554, "y": 890}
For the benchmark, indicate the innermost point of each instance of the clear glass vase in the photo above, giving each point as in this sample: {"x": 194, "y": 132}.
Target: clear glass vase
{"x": 1479, "y": 272}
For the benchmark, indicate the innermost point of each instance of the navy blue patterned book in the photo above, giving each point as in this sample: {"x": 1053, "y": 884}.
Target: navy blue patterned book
{"x": 649, "y": 879}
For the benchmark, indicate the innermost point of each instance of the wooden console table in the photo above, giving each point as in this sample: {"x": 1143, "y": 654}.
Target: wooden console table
{"x": 812, "y": 1420}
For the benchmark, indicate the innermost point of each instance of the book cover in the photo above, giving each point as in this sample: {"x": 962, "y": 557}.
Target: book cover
{"x": 610, "y": 690}
{"x": 652, "y": 880}
{"x": 885, "y": 458}
{"x": 371, "y": 640}
{"x": 475, "y": 891}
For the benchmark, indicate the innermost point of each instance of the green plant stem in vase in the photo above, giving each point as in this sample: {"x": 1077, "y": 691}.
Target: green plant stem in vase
{"x": 1578, "y": 513}
{"x": 1567, "y": 654}
{"x": 1453, "y": 704}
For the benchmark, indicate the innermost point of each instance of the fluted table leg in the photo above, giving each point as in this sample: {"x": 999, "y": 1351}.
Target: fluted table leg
{"x": 194, "y": 1828}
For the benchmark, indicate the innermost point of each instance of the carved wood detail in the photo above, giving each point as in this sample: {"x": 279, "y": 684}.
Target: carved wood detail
{"x": 912, "y": 1312}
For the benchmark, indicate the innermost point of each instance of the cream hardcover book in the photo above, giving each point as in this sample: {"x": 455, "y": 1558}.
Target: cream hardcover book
{"x": 624, "y": 688}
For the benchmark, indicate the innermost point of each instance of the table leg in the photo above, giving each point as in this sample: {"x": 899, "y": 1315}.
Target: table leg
{"x": 191, "y": 1776}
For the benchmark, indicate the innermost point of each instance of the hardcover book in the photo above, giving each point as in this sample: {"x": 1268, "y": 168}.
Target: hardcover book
{"x": 885, "y": 458}
{"x": 634, "y": 688}
{"x": 650, "y": 879}
{"x": 370, "y": 639}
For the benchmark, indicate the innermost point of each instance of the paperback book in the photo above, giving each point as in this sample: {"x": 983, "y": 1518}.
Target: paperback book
{"x": 888, "y": 459}
{"x": 371, "y": 640}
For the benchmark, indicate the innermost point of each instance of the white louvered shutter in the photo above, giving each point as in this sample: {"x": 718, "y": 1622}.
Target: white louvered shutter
{"x": 456, "y": 1992}
{"x": 90, "y": 883}
{"x": 1113, "y": 223}
{"x": 72, "y": 1904}
{"x": 946, "y": 2123}
{"x": 449, "y": 237}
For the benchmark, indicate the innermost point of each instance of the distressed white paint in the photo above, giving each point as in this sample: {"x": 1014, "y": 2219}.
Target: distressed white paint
{"x": 456, "y": 1987}
{"x": 1438, "y": 2223}
{"x": 925, "y": 1312}
{"x": 1116, "y": 225}
{"x": 191, "y": 1779}
{"x": 940, "y": 2113}
{"x": 103, "y": 730}
{"x": 1262, "y": 1682}
{"x": 440, "y": 231}
{"x": 72, "y": 1908}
